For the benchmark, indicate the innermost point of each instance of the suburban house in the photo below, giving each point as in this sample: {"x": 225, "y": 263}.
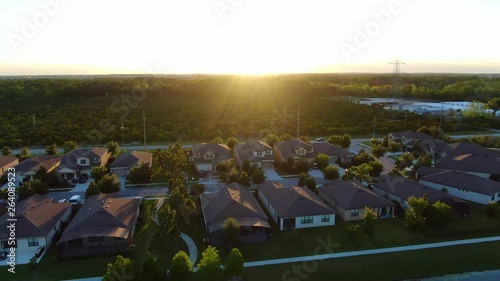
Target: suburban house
{"x": 423, "y": 171}
{"x": 410, "y": 139}
{"x": 258, "y": 153}
{"x": 485, "y": 166}
{"x": 104, "y": 225}
{"x": 294, "y": 207}
{"x": 7, "y": 162}
{"x": 80, "y": 161}
{"x": 452, "y": 150}
{"x": 27, "y": 169}
{"x": 349, "y": 199}
{"x": 237, "y": 201}
{"x": 38, "y": 221}
{"x": 294, "y": 149}
{"x": 206, "y": 156}
{"x": 337, "y": 154}
{"x": 465, "y": 186}
{"x": 124, "y": 162}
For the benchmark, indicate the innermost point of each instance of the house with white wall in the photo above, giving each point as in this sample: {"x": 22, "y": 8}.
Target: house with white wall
{"x": 26, "y": 170}
{"x": 80, "y": 161}
{"x": 257, "y": 153}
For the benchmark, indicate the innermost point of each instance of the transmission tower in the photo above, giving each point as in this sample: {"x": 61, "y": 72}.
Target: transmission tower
{"x": 396, "y": 79}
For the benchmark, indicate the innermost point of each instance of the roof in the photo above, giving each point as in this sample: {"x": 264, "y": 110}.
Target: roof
{"x": 245, "y": 151}
{"x": 69, "y": 159}
{"x": 404, "y": 188}
{"x": 410, "y": 134}
{"x": 6, "y": 160}
{"x": 36, "y": 217}
{"x": 351, "y": 195}
{"x": 234, "y": 200}
{"x": 103, "y": 215}
{"x": 295, "y": 201}
{"x": 461, "y": 148}
{"x": 34, "y": 163}
{"x": 221, "y": 151}
{"x": 425, "y": 171}
{"x": 132, "y": 159}
{"x": 465, "y": 181}
{"x": 470, "y": 163}
{"x": 331, "y": 150}
{"x": 287, "y": 148}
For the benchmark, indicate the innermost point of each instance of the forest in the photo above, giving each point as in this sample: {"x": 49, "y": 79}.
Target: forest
{"x": 91, "y": 110}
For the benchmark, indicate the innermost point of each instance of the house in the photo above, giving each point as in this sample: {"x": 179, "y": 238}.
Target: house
{"x": 349, "y": 199}
{"x": 257, "y": 153}
{"x": 205, "y": 156}
{"x": 485, "y": 166}
{"x": 7, "y": 162}
{"x": 452, "y": 150}
{"x": 336, "y": 153}
{"x": 237, "y": 201}
{"x": 104, "y": 225}
{"x": 465, "y": 186}
{"x": 38, "y": 220}
{"x": 294, "y": 207}
{"x": 124, "y": 162}
{"x": 80, "y": 161}
{"x": 27, "y": 169}
{"x": 423, "y": 171}
{"x": 294, "y": 149}
{"x": 410, "y": 139}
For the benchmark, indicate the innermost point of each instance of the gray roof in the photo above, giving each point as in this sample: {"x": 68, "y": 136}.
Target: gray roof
{"x": 245, "y": 151}
{"x": 221, "y": 152}
{"x": 69, "y": 159}
{"x": 465, "y": 181}
{"x": 411, "y": 135}
{"x": 425, "y": 171}
{"x": 461, "y": 148}
{"x": 471, "y": 163}
{"x": 404, "y": 188}
{"x": 103, "y": 215}
{"x": 287, "y": 148}
{"x": 331, "y": 150}
{"x": 295, "y": 201}
{"x": 351, "y": 195}
{"x": 34, "y": 163}
{"x": 132, "y": 159}
{"x": 36, "y": 216}
{"x": 234, "y": 200}
{"x": 6, "y": 160}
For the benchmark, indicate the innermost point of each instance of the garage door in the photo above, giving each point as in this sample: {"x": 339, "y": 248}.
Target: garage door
{"x": 204, "y": 167}
{"x": 267, "y": 165}
{"x": 120, "y": 172}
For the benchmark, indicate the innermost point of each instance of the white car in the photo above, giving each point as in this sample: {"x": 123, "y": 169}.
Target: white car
{"x": 75, "y": 200}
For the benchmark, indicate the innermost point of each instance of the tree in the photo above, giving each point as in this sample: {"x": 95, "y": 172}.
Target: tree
{"x": 285, "y": 137}
{"x": 368, "y": 224}
{"x": 494, "y": 105}
{"x": 476, "y": 109}
{"x": 244, "y": 179}
{"x": 6, "y": 151}
{"x": 113, "y": 148}
{"x": 25, "y": 152}
{"x": 395, "y": 172}
{"x": 258, "y": 176}
{"x": 376, "y": 168}
{"x": 378, "y": 150}
{"x": 439, "y": 214}
{"x": 69, "y": 146}
{"x": 122, "y": 267}
{"x": 41, "y": 174}
{"x": 109, "y": 184}
{"x": 415, "y": 214}
{"x": 98, "y": 172}
{"x": 322, "y": 160}
{"x": 181, "y": 267}
{"x": 93, "y": 189}
{"x": 346, "y": 141}
{"x": 306, "y": 180}
{"x": 52, "y": 149}
{"x": 395, "y": 147}
{"x": 231, "y": 143}
{"x": 141, "y": 173}
{"x": 245, "y": 166}
{"x": 362, "y": 158}
{"x": 302, "y": 165}
{"x": 304, "y": 139}
{"x": 335, "y": 140}
{"x": 360, "y": 173}
{"x": 234, "y": 262}
{"x": 197, "y": 189}
{"x": 231, "y": 228}
{"x": 152, "y": 270}
{"x": 25, "y": 190}
{"x": 167, "y": 222}
{"x": 385, "y": 142}
{"x": 218, "y": 140}
{"x": 271, "y": 139}
{"x": 209, "y": 267}
{"x": 331, "y": 172}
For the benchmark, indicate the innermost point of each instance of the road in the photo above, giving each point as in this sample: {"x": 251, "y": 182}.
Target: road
{"x": 38, "y": 151}
{"x": 126, "y": 192}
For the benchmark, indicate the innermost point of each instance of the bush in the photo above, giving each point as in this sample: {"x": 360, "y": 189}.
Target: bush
{"x": 353, "y": 231}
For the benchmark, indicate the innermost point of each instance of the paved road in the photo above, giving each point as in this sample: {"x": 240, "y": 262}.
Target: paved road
{"x": 388, "y": 164}
{"x": 129, "y": 192}
{"x": 38, "y": 151}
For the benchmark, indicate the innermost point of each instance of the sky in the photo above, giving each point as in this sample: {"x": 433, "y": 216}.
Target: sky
{"x": 59, "y": 37}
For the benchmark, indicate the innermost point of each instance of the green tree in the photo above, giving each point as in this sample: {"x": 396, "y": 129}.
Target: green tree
{"x": 322, "y": 160}
{"x": 113, "y": 148}
{"x": 231, "y": 143}
{"x": 234, "y": 262}
{"x": 167, "y": 222}
{"x": 302, "y": 165}
{"x": 231, "y": 228}
{"x": 271, "y": 139}
{"x": 6, "y": 151}
{"x": 152, "y": 270}
{"x": 395, "y": 147}
{"x": 69, "y": 146}
{"x": 346, "y": 141}
{"x": 52, "y": 149}
{"x": 122, "y": 267}
{"x": 258, "y": 176}
{"x": 385, "y": 142}
{"x": 244, "y": 179}
{"x": 209, "y": 267}
{"x": 360, "y": 173}
{"x": 378, "y": 150}
{"x": 109, "y": 184}
{"x": 368, "y": 223}
{"x": 181, "y": 267}
{"x": 285, "y": 137}
{"x": 476, "y": 109}
{"x": 93, "y": 189}
{"x": 98, "y": 172}
{"x": 218, "y": 140}
{"x": 494, "y": 105}
{"x": 331, "y": 172}
{"x": 376, "y": 168}
{"x": 141, "y": 173}
{"x": 41, "y": 174}
{"x": 25, "y": 152}
{"x": 362, "y": 158}
{"x": 439, "y": 214}
{"x": 415, "y": 214}
{"x": 25, "y": 190}
{"x": 304, "y": 139}
{"x": 198, "y": 189}
{"x": 245, "y": 166}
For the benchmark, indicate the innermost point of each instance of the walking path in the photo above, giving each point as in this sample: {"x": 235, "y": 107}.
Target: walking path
{"x": 372, "y": 252}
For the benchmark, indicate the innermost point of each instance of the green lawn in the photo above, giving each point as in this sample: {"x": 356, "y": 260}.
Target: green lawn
{"x": 391, "y": 266}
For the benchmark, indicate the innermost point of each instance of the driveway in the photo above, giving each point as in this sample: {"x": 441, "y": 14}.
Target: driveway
{"x": 388, "y": 164}
{"x": 315, "y": 173}
{"x": 81, "y": 187}
{"x": 272, "y": 175}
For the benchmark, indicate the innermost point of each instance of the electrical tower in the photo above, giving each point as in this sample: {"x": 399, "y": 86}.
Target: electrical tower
{"x": 396, "y": 79}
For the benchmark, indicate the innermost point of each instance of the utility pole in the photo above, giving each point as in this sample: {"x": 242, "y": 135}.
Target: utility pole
{"x": 298, "y": 117}
{"x": 144, "y": 124}
{"x": 374, "y": 121}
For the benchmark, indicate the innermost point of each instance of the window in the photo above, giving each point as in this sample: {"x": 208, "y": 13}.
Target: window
{"x": 210, "y": 156}
{"x": 259, "y": 153}
{"x": 198, "y": 155}
{"x": 95, "y": 159}
{"x": 83, "y": 162}
{"x": 355, "y": 213}
{"x": 33, "y": 242}
{"x": 306, "y": 220}
{"x": 269, "y": 152}
{"x": 325, "y": 218}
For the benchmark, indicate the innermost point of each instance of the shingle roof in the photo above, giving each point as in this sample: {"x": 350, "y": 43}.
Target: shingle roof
{"x": 132, "y": 159}
{"x": 34, "y": 163}
{"x": 36, "y": 217}
{"x": 412, "y": 135}
{"x": 235, "y": 200}
{"x": 461, "y": 148}
{"x": 351, "y": 195}
{"x": 69, "y": 159}
{"x": 471, "y": 163}
{"x": 465, "y": 181}
{"x": 295, "y": 201}
{"x": 6, "y": 160}
{"x": 425, "y": 171}
{"x": 221, "y": 152}
{"x": 331, "y": 150}
{"x": 245, "y": 151}
{"x": 404, "y": 188}
{"x": 103, "y": 215}
{"x": 287, "y": 148}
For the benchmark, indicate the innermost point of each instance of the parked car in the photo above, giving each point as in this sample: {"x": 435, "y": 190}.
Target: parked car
{"x": 62, "y": 201}
{"x": 39, "y": 251}
{"x": 83, "y": 178}
{"x": 320, "y": 139}
{"x": 75, "y": 200}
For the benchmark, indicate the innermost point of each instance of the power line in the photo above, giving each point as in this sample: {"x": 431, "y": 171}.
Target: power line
{"x": 396, "y": 79}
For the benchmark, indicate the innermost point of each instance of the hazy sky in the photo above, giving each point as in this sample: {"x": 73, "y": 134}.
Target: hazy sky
{"x": 247, "y": 36}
